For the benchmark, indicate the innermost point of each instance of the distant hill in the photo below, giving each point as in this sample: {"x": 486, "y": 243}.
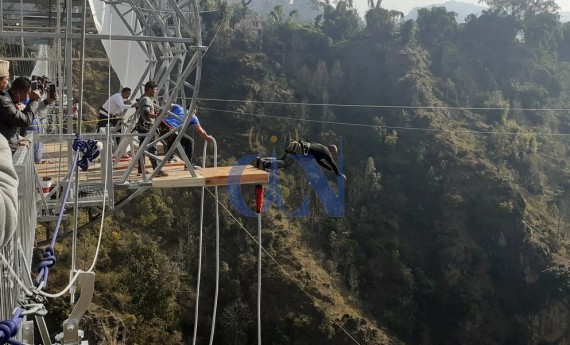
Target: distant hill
{"x": 565, "y": 16}
{"x": 462, "y": 9}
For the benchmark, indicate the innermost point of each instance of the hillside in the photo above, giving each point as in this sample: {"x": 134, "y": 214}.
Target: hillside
{"x": 456, "y": 207}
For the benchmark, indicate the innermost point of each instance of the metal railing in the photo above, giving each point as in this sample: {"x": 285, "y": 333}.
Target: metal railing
{"x": 18, "y": 251}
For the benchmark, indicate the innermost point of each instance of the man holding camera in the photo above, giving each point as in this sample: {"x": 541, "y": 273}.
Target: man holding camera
{"x": 12, "y": 118}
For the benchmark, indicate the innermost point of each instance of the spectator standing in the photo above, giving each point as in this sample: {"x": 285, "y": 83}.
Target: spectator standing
{"x": 110, "y": 112}
{"x": 36, "y": 126}
{"x": 12, "y": 118}
{"x": 148, "y": 110}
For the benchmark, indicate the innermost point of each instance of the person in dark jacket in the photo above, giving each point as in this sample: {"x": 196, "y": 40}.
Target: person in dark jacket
{"x": 11, "y": 118}
{"x": 322, "y": 154}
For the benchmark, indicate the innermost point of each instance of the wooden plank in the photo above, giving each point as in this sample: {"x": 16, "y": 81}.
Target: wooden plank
{"x": 209, "y": 177}
{"x": 178, "y": 179}
{"x": 219, "y": 176}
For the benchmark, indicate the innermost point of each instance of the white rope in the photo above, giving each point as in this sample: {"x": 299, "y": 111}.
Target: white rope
{"x": 14, "y": 275}
{"x": 217, "y": 239}
{"x": 200, "y": 243}
{"x": 80, "y": 112}
{"x": 23, "y": 257}
{"x": 260, "y": 252}
{"x": 199, "y": 267}
{"x": 105, "y": 177}
{"x": 315, "y": 302}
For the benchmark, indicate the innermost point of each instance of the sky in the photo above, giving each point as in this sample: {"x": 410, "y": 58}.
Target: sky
{"x": 406, "y": 6}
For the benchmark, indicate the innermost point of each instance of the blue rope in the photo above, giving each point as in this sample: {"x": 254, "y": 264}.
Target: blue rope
{"x": 49, "y": 253}
{"x": 9, "y": 329}
{"x": 88, "y": 148}
{"x": 48, "y": 262}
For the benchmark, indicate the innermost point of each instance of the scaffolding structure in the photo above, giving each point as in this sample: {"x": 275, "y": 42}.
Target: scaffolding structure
{"x": 48, "y": 37}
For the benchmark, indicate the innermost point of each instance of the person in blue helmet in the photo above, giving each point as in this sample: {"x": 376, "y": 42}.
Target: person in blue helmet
{"x": 175, "y": 120}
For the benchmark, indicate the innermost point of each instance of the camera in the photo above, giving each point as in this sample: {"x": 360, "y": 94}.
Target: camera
{"x": 52, "y": 93}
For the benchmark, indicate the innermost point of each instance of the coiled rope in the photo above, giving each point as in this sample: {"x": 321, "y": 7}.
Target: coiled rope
{"x": 9, "y": 329}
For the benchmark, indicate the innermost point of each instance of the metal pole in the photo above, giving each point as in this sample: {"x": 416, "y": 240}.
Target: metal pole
{"x": 69, "y": 95}
{"x": 69, "y": 69}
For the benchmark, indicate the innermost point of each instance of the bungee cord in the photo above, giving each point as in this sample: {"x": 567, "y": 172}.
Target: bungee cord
{"x": 259, "y": 209}
{"x": 216, "y": 210}
{"x": 199, "y": 274}
{"x": 315, "y": 302}
{"x": 200, "y": 246}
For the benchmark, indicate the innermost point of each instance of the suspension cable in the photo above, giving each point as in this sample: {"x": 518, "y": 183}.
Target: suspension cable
{"x": 259, "y": 209}
{"x": 217, "y": 240}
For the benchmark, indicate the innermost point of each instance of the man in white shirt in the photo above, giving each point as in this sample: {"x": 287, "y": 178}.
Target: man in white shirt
{"x": 111, "y": 111}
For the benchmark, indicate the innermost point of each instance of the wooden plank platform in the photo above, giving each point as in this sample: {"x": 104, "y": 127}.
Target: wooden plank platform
{"x": 210, "y": 177}
{"x": 55, "y": 167}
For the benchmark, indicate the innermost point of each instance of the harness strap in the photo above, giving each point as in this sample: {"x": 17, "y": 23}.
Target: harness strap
{"x": 305, "y": 147}
{"x": 300, "y": 148}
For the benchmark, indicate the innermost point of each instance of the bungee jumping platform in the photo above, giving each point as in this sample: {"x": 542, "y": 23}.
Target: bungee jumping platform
{"x": 54, "y": 166}
{"x": 56, "y": 158}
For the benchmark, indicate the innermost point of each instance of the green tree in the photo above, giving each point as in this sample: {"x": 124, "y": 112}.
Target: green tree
{"x": 340, "y": 22}
{"x": 543, "y": 31}
{"x": 522, "y": 9}
{"x": 495, "y": 100}
{"x": 407, "y": 31}
{"x": 436, "y": 25}
{"x": 277, "y": 15}
{"x": 380, "y": 22}
{"x": 236, "y": 320}
{"x": 564, "y": 44}
{"x": 151, "y": 279}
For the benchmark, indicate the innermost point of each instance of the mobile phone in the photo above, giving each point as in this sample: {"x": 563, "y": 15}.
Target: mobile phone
{"x": 34, "y": 85}
{"x": 52, "y": 93}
